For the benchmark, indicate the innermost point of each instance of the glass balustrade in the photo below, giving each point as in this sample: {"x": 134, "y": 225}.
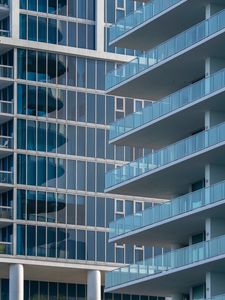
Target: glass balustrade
{"x": 179, "y": 99}
{"x": 6, "y": 177}
{"x": 170, "y": 260}
{"x": 167, "y": 49}
{"x": 169, "y": 154}
{"x": 6, "y": 107}
{"x": 139, "y": 16}
{"x": 5, "y": 212}
{"x": 6, "y": 71}
{"x": 6, "y": 142}
{"x": 4, "y": 2}
{"x": 165, "y": 211}
{"x": 5, "y": 248}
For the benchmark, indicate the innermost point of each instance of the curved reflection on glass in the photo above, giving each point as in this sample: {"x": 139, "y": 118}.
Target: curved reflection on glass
{"x": 52, "y": 99}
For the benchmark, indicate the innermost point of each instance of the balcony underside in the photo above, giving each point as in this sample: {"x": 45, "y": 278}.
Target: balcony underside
{"x": 176, "y": 281}
{"x": 172, "y": 179}
{"x": 174, "y": 126}
{"x": 156, "y": 30}
{"x": 168, "y": 76}
{"x": 176, "y": 230}
{"x": 4, "y": 11}
{"x": 4, "y": 118}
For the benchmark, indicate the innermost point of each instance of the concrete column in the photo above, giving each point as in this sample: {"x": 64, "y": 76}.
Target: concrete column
{"x": 214, "y": 174}
{"x": 214, "y": 227}
{"x": 212, "y": 9}
{"x": 94, "y": 285}
{"x": 215, "y": 284}
{"x": 16, "y": 282}
{"x": 100, "y": 25}
{"x": 14, "y": 18}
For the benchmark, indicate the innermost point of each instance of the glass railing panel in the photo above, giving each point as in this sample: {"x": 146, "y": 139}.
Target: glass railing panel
{"x": 139, "y": 16}
{"x": 170, "y": 260}
{"x": 4, "y": 2}
{"x": 167, "y": 210}
{"x": 6, "y": 142}
{"x": 5, "y": 248}
{"x": 6, "y": 107}
{"x": 171, "y": 47}
{"x": 6, "y": 177}
{"x": 6, "y": 71}
{"x": 5, "y": 212}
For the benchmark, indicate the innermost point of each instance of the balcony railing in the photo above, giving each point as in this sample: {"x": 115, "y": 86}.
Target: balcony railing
{"x": 165, "y": 211}
{"x": 6, "y": 177}
{"x": 5, "y": 212}
{"x": 5, "y": 248}
{"x": 6, "y": 142}
{"x": 170, "y": 260}
{"x": 5, "y": 33}
{"x": 139, "y": 16}
{"x": 4, "y": 2}
{"x": 6, "y": 71}
{"x": 6, "y": 107}
{"x": 171, "y": 103}
{"x": 169, "y": 48}
{"x": 172, "y": 153}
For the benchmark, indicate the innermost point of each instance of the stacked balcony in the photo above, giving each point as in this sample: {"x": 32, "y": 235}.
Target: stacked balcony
{"x": 182, "y": 73}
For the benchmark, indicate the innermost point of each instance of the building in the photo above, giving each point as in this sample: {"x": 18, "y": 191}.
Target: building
{"x": 182, "y": 72}
{"x": 54, "y": 121}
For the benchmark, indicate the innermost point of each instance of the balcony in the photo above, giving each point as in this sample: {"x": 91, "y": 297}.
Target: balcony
{"x": 186, "y": 266}
{"x": 153, "y": 17}
{"x": 172, "y": 222}
{"x": 160, "y": 169}
{"x": 142, "y": 77}
{"x": 159, "y": 120}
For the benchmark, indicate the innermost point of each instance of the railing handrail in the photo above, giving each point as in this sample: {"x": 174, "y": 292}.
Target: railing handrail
{"x": 6, "y": 101}
{"x": 5, "y": 207}
{"x": 6, "y": 172}
{"x": 5, "y": 66}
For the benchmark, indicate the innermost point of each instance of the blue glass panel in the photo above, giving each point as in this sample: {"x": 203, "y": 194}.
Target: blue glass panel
{"x": 20, "y": 239}
{"x": 21, "y": 99}
{"x": 23, "y": 4}
{"x": 23, "y": 26}
{"x": 32, "y": 5}
{"x": 42, "y": 30}
{"x": 32, "y": 28}
{"x": 21, "y": 63}
{"x": 52, "y": 6}
{"x": 42, "y": 6}
{"x": 52, "y": 31}
{"x": 21, "y": 169}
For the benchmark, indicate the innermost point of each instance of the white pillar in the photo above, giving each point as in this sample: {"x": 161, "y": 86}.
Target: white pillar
{"x": 16, "y": 282}
{"x": 94, "y": 285}
{"x": 100, "y": 25}
{"x": 14, "y": 18}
